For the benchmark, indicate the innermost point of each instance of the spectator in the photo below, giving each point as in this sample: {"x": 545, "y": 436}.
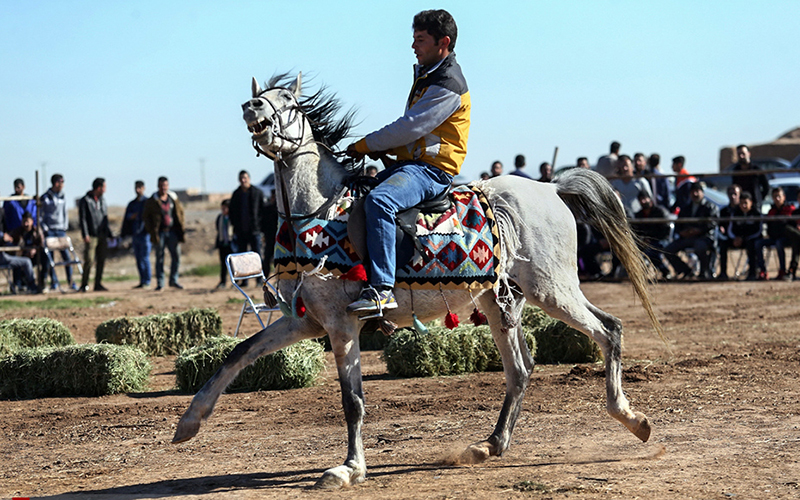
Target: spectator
{"x": 793, "y": 233}
{"x": 164, "y": 222}
{"x": 519, "y": 164}
{"x": 725, "y": 242}
{"x": 683, "y": 183}
{"x": 654, "y": 236}
{"x": 777, "y": 233}
{"x": 15, "y": 208}
{"x": 246, "y": 212}
{"x": 640, "y": 165}
{"x": 224, "y": 241}
{"x": 21, "y": 267}
{"x": 697, "y": 235}
{"x": 31, "y": 239}
{"x": 497, "y": 169}
{"x": 747, "y": 234}
{"x": 372, "y": 170}
{"x": 589, "y": 247}
{"x": 133, "y": 226}
{"x": 484, "y": 176}
{"x": 546, "y": 171}
{"x": 660, "y": 185}
{"x": 93, "y": 220}
{"x": 628, "y": 186}
{"x": 55, "y": 223}
{"x": 607, "y": 164}
{"x": 756, "y": 185}
{"x": 583, "y": 162}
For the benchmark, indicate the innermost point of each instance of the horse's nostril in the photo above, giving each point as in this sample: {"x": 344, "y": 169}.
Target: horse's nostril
{"x": 256, "y": 103}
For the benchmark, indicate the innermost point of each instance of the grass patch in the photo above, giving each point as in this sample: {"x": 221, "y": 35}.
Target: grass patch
{"x": 292, "y": 367}
{"x": 162, "y": 334}
{"x": 56, "y": 303}
{"x": 465, "y": 349}
{"x": 115, "y": 278}
{"x": 204, "y": 270}
{"x": 17, "y": 334}
{"x": 77, "y": 370}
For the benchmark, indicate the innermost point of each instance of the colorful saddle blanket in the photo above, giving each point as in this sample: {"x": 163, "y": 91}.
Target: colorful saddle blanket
{"x": 460, "y": 246}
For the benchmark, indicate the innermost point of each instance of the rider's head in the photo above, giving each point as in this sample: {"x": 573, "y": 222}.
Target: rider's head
{"x": 438, "y": 24}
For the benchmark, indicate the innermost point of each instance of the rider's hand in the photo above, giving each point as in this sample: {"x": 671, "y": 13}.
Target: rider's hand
{"x": 352, "y": 152}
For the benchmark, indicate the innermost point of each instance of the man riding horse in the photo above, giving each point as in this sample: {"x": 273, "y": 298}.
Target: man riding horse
{"x": 430, "y": 143}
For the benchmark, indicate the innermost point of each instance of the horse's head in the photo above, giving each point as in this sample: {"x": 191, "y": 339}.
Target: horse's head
{"x": 275, "y": 118}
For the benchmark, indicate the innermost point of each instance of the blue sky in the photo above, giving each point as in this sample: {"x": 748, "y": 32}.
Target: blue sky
{"x": 137, "y": 89}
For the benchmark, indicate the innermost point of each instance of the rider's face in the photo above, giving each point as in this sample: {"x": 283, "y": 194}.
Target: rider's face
{"x": 426, "y": 49}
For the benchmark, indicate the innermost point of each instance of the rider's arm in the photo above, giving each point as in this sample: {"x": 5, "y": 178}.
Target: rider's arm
{"x": 430, "y": 111}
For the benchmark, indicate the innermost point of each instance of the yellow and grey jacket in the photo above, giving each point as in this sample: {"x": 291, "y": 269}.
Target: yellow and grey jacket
{"x": 435, "y": 126}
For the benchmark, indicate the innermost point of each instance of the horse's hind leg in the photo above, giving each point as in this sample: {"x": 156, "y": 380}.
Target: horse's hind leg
{"x": 574, "y": 310}
{"x": 517, "y": 365}
{"x": 278, "y": 335}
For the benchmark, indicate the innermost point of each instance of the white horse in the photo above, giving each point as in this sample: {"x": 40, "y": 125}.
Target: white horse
{"x": 538, "y": 258}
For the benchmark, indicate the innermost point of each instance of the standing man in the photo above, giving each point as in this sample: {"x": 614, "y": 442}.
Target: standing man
{"x": 583, "y": 162}
{"x": 55, "y": 223}
{"x": 683, "y": 182}
{"x": 756, "y": 185}
{"x": 629, "y": 186}
{"x": 607, "y": 164}
{"x": 133, "y": 226}
{"x": 660, "y": 185}
{"x": 93, "y": 219}
{"x": 15, "y": 208}
{"x": 519, "y": 163}
{"x": 164, "y": 222}
{"x": 246, "y": 211}
{"x": 496, "y": 169}
{"x": 429, "y": 141}
{"x": 546, "y": 171}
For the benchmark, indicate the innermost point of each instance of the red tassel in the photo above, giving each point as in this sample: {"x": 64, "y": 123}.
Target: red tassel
{"x": 356, "y": 273}
{"x": 478, "y": 318}
{"x": 301, "y": 307}
{"x": 451, "y": 320}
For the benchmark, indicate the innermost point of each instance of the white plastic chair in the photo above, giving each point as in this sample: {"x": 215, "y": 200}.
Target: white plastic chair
{"x": 56, "y": 244}
{"x": 243, "y": 266}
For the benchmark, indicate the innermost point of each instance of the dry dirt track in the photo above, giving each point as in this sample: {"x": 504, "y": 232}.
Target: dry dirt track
{"x": 724, "y": 408}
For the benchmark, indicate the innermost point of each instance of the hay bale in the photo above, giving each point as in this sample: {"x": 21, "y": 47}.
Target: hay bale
{"x": 162, "y": 334}
{"x": 290, "y": 368}
{"x": 466, "y": 349}
{"x": 368, "y": 341}
{"x": 76, "y": 370}
{"x": 556, "y": 342}
{"x": 16, "y": 334}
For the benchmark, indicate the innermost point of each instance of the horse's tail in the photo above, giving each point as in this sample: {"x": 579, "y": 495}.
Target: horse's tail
{"x": 590, "y": 197}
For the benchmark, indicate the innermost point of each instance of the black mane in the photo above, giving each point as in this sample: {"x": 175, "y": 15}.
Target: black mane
{"x": 321, "y": 109}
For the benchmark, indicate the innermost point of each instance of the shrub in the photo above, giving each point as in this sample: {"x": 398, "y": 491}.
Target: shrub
{"x": 292, "y": 367}
{"x": 442, "y": 351}
{"x": 76, "y": 370}
{"x": 162, "y": 334}
{"x": 20, "y": 333}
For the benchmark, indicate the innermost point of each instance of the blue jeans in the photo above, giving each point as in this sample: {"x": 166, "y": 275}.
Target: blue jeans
{"x": 65, "y": 256}
{"x": 780, "y": 245}
{"x": 141, "y": 250}
{"x": 22, "y": 269}
{"x": 401, "y": 187}
{"x": 167, "y": 240}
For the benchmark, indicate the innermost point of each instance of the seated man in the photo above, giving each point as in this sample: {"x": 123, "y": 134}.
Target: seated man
{"x": 747, "y": 233}
{"x": 430, "y": 143}
{"x": 793, "y": 234}
{"x": 697, "y": 235}
{"x": 734, "y": 194}
{"x": 777, "y": 233}
{"x": 31, "y": 239}
{"x": 20, "y": 266}
{"x": 653, "y": 235}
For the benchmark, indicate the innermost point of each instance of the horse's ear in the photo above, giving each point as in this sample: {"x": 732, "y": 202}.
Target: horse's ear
{"x": 296, "y": 86}
{"x": 256, "y": 87}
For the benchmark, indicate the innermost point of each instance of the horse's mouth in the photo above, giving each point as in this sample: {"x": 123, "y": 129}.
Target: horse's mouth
{"x": 258, "y": 127}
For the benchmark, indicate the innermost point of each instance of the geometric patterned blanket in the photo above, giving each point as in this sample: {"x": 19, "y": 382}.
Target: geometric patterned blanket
{"x": 460, "y": 245}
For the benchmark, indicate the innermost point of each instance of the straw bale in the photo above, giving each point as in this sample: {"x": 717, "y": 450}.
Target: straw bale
{"x": 76, "y": 370}
{"x": 292, "y": 367}
{"x": 442, "y": 351}
{"x": 556, "y": 342}
{"x": 162, "y": 334}
{"x": 39, "y": 332}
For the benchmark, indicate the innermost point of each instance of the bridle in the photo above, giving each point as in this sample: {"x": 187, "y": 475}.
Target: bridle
{"x": 279, "y": 128}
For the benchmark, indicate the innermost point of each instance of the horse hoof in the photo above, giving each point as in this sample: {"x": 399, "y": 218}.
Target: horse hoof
{"x": 337, "y": 478}
{"x": 186, "y": 431}
{"x": 472, "y": 454}
{"x": 642, "y": 431}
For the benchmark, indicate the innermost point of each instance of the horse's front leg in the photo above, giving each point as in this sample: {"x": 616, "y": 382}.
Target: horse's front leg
{"x": 348, "y": 363}
{"x": 282, "y": 333}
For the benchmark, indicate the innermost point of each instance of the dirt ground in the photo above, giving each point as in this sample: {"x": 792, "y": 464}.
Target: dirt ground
{"x": 724, "y": 408}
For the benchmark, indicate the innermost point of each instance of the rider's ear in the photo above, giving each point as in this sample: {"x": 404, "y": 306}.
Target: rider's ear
{"x": 256, "y": 87}
{"x": 295, "y": 87}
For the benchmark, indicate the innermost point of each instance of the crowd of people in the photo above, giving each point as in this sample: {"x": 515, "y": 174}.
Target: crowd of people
{"x": 687, "y": 234}
{"x": 248, "y": 220}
